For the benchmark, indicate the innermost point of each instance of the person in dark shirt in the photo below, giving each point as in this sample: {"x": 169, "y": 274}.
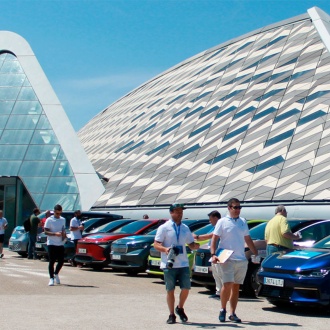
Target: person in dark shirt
{"x": 34, "y": 221}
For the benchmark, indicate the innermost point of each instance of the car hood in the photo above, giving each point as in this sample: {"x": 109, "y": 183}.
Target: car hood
{"x": 304, "y": 259}
{"x": 103, "y": 237}
{"x": 136, "y": 239}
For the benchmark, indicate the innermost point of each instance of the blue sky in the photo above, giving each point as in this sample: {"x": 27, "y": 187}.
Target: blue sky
{"x": 95, "y": 51}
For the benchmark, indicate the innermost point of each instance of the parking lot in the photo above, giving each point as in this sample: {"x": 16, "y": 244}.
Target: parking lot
{"x": 108, "y": 300}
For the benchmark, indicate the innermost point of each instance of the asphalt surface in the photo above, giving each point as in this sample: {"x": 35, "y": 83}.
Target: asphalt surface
{"x": 87, "y": 299}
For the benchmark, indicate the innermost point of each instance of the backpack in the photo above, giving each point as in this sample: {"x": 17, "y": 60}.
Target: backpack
{"x": 27, "y": 224}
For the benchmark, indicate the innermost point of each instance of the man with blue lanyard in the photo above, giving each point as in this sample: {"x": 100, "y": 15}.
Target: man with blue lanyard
{"x": 175, "y": 234}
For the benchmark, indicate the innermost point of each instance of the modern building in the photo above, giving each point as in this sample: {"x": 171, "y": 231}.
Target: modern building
{"x": 248, "y": 119}
{"x": 42, "y": 162}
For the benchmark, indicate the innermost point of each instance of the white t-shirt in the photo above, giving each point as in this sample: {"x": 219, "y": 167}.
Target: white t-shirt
{"x": 75, "y": 234}
{"x": 3, "y": 222}
{"x": 55, "y": 225}
{"x": 169, "y": 233}
{"x": 232, "y": 233}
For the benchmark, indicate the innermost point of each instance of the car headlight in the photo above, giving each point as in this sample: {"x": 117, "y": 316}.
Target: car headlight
{"x": 318, "y": 272}
{"x": 137, "y": 246}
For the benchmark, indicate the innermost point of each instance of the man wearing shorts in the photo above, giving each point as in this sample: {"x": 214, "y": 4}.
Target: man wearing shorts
{"x": 233, "y": 233}
{"x": 175, "y": 233}
{"x": 3, "y": 226}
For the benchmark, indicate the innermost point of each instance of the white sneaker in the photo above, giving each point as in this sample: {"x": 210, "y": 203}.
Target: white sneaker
{"x": 57, "y": 279}
{"x": 51, "y": 282}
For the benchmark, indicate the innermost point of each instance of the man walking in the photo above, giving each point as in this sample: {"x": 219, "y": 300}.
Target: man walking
{"x": 76, "y": 228}
{"x": 233, "y": 233}
{"x": 55, "y": 231}
{"x": 3, "y": 226}
{"x": 214, "y": 216}
{"x": 278, "y": 232}
{"x": 174, "y": 234}
{"x": 34, "y": 224}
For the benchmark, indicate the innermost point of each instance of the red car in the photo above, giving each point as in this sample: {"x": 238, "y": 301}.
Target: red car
{"x": 94, "y": 250}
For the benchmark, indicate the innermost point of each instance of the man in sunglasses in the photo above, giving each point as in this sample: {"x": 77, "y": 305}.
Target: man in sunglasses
{"x": 233, "y": 232}
{"x": 56, "y": 235}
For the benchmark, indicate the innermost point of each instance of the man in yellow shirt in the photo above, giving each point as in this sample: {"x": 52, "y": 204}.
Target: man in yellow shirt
{"x": 278, "y": 232}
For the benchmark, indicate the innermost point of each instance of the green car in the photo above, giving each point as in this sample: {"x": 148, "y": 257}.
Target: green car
{"x": 154, "y": 255}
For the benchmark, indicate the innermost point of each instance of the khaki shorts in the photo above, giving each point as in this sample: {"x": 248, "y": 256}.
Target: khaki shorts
{"x": 233, "y": 271}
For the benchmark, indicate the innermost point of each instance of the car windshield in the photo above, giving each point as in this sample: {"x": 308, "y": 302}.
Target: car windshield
{"x": 109, "y": 227}
{"x": 323, "y": 243}
{"x": 258, "y": 232}
{"x": 132, "y": 227}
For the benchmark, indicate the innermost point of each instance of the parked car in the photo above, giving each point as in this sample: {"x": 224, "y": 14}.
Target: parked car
{"x": 94, "y": 250}
{"x": 69, "y": 248}
{"x": 91, "y": 224}
{"x": 297, "y": 277}
{"x": 199, "y": 227}
{"x": 202, "y": 271}
{"x": 130, "y": 254}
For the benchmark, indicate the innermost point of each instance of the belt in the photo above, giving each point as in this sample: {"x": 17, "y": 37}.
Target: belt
{"x": 280, "y": 246}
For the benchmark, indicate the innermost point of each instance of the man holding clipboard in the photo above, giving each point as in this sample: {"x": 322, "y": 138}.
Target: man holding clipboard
{"x": 233, "y": 233}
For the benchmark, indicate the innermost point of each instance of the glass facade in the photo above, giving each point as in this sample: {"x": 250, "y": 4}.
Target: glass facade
{"x": 29, "y": 147}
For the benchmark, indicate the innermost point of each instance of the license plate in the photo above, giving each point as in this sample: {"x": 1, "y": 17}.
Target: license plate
{"x": 273, "y": 281}
{"x": 82, "y": 250}
{"x": 38, "y": 245}
{"x": 155, "y": 262}
{"x": 116, "y": 257}
{"x": 199, "y": 269}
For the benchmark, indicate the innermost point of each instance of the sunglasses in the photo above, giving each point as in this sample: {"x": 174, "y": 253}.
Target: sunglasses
{"x": 236, "y": 207}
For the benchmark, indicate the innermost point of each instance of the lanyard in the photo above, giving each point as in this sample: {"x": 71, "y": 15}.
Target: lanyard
{"x": 177, "y": 231}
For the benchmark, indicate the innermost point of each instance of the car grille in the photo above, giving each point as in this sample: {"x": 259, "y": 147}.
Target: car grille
{"x": 121, "y": 248}
{"x": 279, "y": 270}
{"x": 83, "y": 259}
{"x": 154, "y": 253}
{"x": 15, "y": 247}
{"x": 271, "y": 291}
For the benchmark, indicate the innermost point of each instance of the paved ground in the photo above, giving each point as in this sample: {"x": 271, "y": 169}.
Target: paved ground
{"x": 108, "y": 300}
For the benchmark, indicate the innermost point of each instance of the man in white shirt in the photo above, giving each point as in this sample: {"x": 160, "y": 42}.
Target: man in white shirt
{"x": 233, "y": 232}
{"x": 175, "y": 234}
{"x": 56, "y": 235}
{"x": 76, "y": 228}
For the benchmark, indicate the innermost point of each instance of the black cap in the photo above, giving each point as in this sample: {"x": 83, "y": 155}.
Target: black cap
{"x": 176, "y": 206}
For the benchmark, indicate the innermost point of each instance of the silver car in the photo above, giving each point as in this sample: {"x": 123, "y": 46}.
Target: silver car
{"x": 19, "y": 241}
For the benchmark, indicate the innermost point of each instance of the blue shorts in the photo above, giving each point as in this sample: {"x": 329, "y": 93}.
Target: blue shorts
{"x": 182, "y": 275}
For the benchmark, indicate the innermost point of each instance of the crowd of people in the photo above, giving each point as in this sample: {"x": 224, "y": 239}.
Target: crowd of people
{"x": 230, "y": 233}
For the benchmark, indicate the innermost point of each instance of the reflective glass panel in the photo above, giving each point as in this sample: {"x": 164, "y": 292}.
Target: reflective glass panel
{"x": 6, "y": 106}
{"x": 11, "y": 80}
{"x": 37, "y": 168}
{"x": 16, "y": 136}
{"x": 68, "y": 201}
{"x": 44, "y": 137}
{"x": 42, "y": 152}
{"x": 36, "y": 184}
{"x": 62, "y": 168}
{"x": 9, "y": 93}
{"x": 22, "y": 122}
{"x": 27, "y": 93}
{"x": 27, "y": 107}
{"x": 62, "y": 185}
{"x": 10, "y": 152}
{"x": 11, "y": 170}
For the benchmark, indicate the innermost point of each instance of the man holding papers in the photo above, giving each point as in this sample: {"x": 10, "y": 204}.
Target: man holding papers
{"x": 233, "y": 233}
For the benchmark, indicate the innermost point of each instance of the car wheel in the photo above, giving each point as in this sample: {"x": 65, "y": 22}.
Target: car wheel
{"x": 251, "y": 283}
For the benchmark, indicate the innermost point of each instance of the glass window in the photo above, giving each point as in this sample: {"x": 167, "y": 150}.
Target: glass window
{"x": 216, "y": 53}
{"x": 260, "y": 61}
{"x": 244, "y": 112}
{"x": 36, "y": 184}
{"x": 199, "y": 130}
{"x": 206, "y": 82}
{"x": 27, "y": 107}
{"x": 231, "y": 94}
{"x": 209, "y": 111}
{"x": 184, "y": 85}
{"x": 9, "y": 93}
{"x": 157, "y": 114}
{"x": 201, "y": 96}
{"x": 272, "y": 77}
{"x": 61, "y": 155}
{"x": 224, "y": 112}
{"x": 134, "y": 147}
{"x": 27, "y": 93}
{"x": 187, "y": 151}
{"x": 43, "y": 123}
{"x": 286, "y": 115}
{"x": 171, "y": 128}
{"x": 236, "y": 79}
{"x": 148, "y": 129}
{"x": 294, "y": 60}
{"x": 279, "y": 138}
{"x": 269, "y": 94}
{"x": 180, "y": 112}
{"x": 11, "y": 80}
{"x": 10, "y": 152}
{"x": 311, "y": 117}
{"x": 255, "y": 77}
{"x": 264, "y": 113}
{"x": 42, "y": 152}
{"x": 11, "y": 67}
{"x": 6, "y": 107}
{"x": 164, "y": 145}
{"x": 44, "y": 137}
{"x": 11, "y": 170}
{"x": 295, "y": 76}
{"x": 140, "y": 115}
{"x": 194, "y": 111}
{"x": 196, "y": 74}
{"x": 62, "y": 168}
{"x": 22, "y": 121}
{"x": 16, "y": 136}
{"x": 272, "y": 42}
{"x": 124, "y": 146}
{"x": 223, "y": 156}
{"x": 312, "y": 97}
{"x": 152, "y": 104}
{"x": 176, "y": 99}
{"x": 128, "y": 131}
{"x": 267, "y": 164}
{"x": 235, "y": 133}
{"x": 38, "y": 168}
{"x": 242, "y": 47}
{"x": 68, "y": 201}
{"x": 3, "y": 121}
{"x": 64, "y": 185}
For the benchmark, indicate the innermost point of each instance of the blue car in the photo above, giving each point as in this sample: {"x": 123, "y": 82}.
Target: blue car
{"x": 298, "y": 276}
